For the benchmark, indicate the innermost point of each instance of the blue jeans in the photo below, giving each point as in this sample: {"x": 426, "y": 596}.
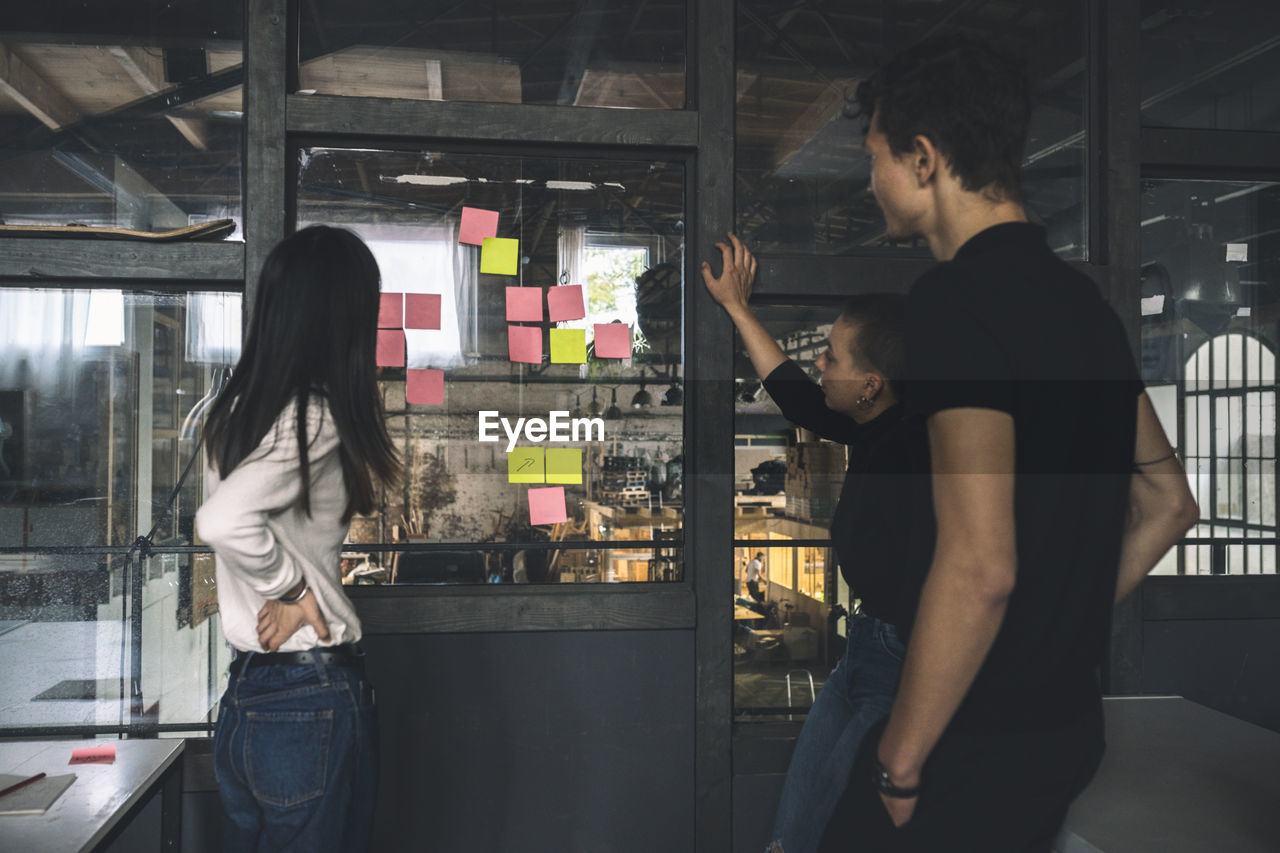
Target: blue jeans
{"x": 856, "y": 694}
{"x": 296, "y": 756}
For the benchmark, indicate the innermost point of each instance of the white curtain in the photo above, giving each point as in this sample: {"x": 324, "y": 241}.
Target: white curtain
{"x": 43, "y": 334}
{"x": 214, "y": 321}
{"x": 428, "y": 259}
{"x": 466, "y": 277}
{"x": 572, "y": 247}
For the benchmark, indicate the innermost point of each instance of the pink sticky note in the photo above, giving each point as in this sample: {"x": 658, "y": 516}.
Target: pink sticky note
{"x": 390, "y": 348}
{"x": 613, "y": 340}
{"x": 391, "y": 311}
{"x": 422, "y": 310}
{"x": 546, "y": 506}
{"x": 565, "y": 302}
{"x": 476, "y": 225}
{"x": 424, "y": 387}
{"x": 524, "y": 304}
{"x": 104, "y": 754}
{"x": 524, "y": 343}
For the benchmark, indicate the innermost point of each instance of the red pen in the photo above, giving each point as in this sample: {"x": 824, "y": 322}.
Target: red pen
{"x": 24, "y": 783}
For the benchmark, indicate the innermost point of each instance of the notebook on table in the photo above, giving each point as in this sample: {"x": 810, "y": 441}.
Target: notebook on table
{"x": 34, "y": 798}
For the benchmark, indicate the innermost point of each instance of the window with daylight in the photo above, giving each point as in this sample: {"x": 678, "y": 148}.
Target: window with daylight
{"x": 1209, "y": 337}
{"x": 1230, "y": 458}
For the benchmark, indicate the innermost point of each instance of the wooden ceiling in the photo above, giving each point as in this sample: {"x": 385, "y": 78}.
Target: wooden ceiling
{"x": 163, "y": 90}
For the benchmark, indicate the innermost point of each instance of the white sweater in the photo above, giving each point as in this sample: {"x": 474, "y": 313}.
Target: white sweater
{"x": 264, "y": 543}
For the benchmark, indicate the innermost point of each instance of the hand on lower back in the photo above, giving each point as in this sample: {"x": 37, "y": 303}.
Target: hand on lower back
{"x": 277, "y": 621}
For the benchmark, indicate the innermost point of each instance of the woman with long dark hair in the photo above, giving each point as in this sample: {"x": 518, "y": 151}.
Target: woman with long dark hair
{"x": 295, "y": 443}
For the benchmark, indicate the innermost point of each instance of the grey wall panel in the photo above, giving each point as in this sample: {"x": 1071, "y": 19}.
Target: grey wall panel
{"x": 755, "y": 802}
{"x": 571, "y": 741}
{"x": 201, "y": 822}
{"x": 1227, "y": 664}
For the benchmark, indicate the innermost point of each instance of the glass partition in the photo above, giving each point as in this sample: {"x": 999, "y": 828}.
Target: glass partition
{"x": 536, "y": 396}
{"x": 121, "y": 114}
{"x": 1209, "y": 335}
{"x": 101, "y": 393}
{"x": 1211, "y": 65}
{"x": 508, "y": 51}
{"x": 802, "y": 173}
{"x": 787, "y": 483}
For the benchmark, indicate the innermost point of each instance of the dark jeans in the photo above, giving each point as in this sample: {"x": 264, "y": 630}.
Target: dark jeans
{"x": 296, "y": 756}
{"x": 858, "y": 693}
{"x": 998, "y": 792}
{"x": 753, "y": 589}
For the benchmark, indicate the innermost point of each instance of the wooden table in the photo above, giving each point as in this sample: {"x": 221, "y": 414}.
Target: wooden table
{"x": 1178, "y": 778}
{"x": 745, "y": 614}
{"x": 103, "y": 798}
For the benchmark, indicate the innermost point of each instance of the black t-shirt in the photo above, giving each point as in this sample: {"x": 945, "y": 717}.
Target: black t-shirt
{"x": 887, "y": 480}
{"x": 1008, "y": 325}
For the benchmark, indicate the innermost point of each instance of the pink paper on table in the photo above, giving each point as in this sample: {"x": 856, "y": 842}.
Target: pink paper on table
{"x": 476, "y": 225}
{"x": 613, "y": 340}
{"x": 422, "y": 311}
{"x": 424, "y": 387}
{"x": 524, "y": 304}
{"x": 390, "y": 348}
{"x": 104, "y": 754}
{"x": 546, "y": 506}
{"x": 524, "y": 343}
{"x": 565, "y": 302}
{"x": 391, "y": 311}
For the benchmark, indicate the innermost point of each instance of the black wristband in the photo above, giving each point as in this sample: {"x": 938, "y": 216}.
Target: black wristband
{"x": 886, "y": 787}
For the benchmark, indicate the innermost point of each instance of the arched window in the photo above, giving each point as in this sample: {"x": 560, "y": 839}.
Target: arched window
{"x": 1229, "y": 446}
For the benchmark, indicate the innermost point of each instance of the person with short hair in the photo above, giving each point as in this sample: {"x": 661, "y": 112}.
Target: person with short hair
{"x": 857, "y": 403}
{"x": 296, "y": 442}
{"x": 752, "y": 574}
{"x": 1053, "y": 485}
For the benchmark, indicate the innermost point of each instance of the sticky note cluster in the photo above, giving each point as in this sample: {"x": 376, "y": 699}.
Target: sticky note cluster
{"x": 402, "y": 320}
{"x": 409, "y": 311}
{"x": 549, "y": 465}
{"x": 545, "y": 465}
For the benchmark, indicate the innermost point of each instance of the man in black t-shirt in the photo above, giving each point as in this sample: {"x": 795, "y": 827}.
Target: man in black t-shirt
{"x": 1054, "y": 487}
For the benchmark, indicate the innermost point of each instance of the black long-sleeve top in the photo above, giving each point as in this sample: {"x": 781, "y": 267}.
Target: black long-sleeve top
{"x": 883, "y": 522}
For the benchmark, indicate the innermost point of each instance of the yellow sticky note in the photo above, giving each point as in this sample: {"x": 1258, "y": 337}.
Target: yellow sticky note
{"x": 524, "y": 465}
{"x": 564, "y": 465}
{"x": 568, "y": 346}
{"x": 500, "y": 256}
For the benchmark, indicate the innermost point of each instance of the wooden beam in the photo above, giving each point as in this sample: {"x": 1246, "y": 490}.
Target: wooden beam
{"x": 29, "y": 260}
{"x": 266, "y": 174}
{"x": 36, "y": 95}
{"x": 331, "y": 114}
{"x": 147, "y": 70}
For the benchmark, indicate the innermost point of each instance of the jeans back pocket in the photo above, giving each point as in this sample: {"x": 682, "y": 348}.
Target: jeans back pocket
{"x": 287, "y": 755}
